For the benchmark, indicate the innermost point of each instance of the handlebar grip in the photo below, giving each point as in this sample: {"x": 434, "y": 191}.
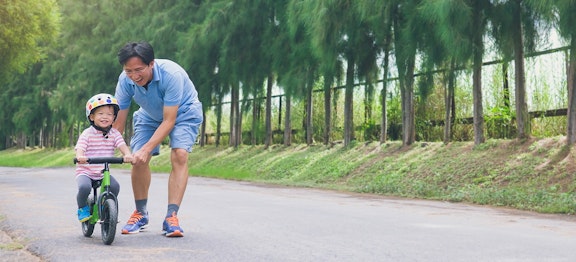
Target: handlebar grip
{"x": 102, "y": 160}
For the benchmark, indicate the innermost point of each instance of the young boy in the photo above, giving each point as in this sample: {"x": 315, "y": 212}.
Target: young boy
{"x": 98, "y": 140}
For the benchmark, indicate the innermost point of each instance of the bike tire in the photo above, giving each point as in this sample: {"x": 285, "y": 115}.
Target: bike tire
{"x": 109, "y": 218}
{"x": 88, "y": 226}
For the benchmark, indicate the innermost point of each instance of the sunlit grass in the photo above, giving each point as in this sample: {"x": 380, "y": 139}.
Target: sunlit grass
{"x": 537, "y": 174}
{"x": 36, "y": 158}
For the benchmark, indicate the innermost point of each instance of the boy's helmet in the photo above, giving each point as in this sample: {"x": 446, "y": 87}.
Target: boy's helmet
{"x": 101, "y": 100}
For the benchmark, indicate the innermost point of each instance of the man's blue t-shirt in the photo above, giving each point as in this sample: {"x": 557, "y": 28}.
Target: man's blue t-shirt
{"x": 170, "y": 86}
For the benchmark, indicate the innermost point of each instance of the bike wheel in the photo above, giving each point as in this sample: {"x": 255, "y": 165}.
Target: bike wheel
{"x": 109, "y": 218}
{"x": 87, "y": 226}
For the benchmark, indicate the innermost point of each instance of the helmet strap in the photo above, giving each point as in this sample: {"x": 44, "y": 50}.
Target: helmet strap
{"x": 104, "y": 130}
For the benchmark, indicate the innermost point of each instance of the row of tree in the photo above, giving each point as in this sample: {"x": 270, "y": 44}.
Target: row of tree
{"x": 243, "y": 48}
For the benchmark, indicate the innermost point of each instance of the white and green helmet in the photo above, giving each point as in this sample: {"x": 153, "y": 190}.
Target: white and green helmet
{"x": 99, "y": 100}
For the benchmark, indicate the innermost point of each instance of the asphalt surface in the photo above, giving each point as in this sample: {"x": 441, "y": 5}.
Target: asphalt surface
{"x": 237, "y": 221}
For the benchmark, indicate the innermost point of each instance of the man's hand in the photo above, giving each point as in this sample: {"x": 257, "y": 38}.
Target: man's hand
{"x": 140, "y": 157}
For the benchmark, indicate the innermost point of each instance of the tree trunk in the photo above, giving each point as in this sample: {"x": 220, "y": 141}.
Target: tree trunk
{"x": 41, "y": 137}
{"x": 238, "y": 124}
{"x": 348, "y": 103}
{"x": 408, "y": 113}
{"x": 383, "y": 112}
{"x": 255, "y": 120}
{"x": 383, "y": 97}
{"x": 279, "y": 113}
{"x": 478, "y": 49}
{"x": 335, "y": 104}
{"x": 327, "y": 108}
{"x": 405, "y": 62}
{"x": 309, "y": 107}
{"x": 203, "y": 137}
{"x": 237, "y": 118}
{"x": 288, "y": 122}
{"x": 571, "y": 75}
{"x": 21, "y": 141}
{"x": 368, "y": 101}
{"x": 448, "y": 100}
{"x": 218, "y": 120}
{"x": 268, "y": 139}
{"x": 477, "y": 100}
{"x": 234, "y": 116}
{"x": 522, "y": 117}
{"x": 232, "y": 136}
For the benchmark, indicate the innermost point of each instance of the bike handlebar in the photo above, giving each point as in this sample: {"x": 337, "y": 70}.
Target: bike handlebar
{"x": 102, "y": 160}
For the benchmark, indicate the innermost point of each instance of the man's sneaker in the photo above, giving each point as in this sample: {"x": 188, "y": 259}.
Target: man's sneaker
{"x": 171, "y": 228}
{"x": 136, "y": 223}
{"x": 84, "y": 214}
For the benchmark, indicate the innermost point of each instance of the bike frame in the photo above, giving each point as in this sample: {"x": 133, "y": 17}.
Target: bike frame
{"x": 104, "y": 204}
{"x": 104, "y": 194}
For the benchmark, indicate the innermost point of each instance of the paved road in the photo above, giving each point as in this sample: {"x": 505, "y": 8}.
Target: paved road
{"x": 236, "y": 221}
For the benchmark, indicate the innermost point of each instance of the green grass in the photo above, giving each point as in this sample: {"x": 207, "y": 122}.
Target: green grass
{"x": 537, "y": 174}
{"x": 36, "y": 157}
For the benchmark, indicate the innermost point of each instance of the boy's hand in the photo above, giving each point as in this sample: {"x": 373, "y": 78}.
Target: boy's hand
{"x": 128, "y": 159}
{"x": 82, "y": 159}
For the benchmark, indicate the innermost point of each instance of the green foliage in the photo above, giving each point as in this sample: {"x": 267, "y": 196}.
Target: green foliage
{"x": 27, "y": 28}
{"x": 394, "y": 117}
{"x": 499, "y": 122}
{"x": 65, "y": 51}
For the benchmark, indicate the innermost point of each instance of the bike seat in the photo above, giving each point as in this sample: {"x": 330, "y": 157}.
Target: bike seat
{"x": 96, "y": 183}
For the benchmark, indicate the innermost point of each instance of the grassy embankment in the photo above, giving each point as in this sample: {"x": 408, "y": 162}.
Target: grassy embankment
{"x": 537, "y": 175}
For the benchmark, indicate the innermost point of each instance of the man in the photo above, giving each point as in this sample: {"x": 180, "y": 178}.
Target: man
{"x": 169, "y": 107}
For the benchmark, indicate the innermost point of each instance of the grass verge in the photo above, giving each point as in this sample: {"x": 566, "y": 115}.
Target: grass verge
{"x": 536, "y": 174}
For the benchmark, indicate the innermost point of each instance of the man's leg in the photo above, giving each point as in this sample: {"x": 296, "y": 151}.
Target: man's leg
{"x": 176, "y": 189}
{"x": 144, "y": 128}
{"x": 182, "y": 139}
{"x": 141, "y": 177}
{"x": 178, "y": 176}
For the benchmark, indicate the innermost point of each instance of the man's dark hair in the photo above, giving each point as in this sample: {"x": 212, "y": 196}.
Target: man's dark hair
{"x": 139, "y": 49}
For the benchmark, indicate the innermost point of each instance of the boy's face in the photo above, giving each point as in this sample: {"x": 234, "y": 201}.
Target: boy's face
{"x": 103, "y": 116}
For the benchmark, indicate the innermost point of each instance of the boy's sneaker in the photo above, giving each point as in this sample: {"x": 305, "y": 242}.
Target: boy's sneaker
{"x": 136, "y": 223}
{"x": 171, "y": 228}
{"x": 84, "y": 214}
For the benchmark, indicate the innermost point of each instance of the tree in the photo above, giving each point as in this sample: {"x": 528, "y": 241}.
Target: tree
{"x": 378, "y": 15}
{"x": 338, "y": 31}
{"x": 27, "y": 30}
{"x": 564, "y": 11}
{"x": 405, "y": 20}
{"x": 515, "y": 30}
{"x": 445, "y": 48}
{"x": 206, "y": 35}
{"x": 241, "y": 49}
{"x": 463, "y": 24}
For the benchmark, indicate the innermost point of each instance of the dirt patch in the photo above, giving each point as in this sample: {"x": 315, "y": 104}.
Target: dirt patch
{"x": 13, "y": 250}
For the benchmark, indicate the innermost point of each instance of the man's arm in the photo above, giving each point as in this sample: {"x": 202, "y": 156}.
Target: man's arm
{"x": 120, "y": 122}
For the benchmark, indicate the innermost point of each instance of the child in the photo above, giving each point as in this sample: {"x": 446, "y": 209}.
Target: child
{"x": 98, "y": 140}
